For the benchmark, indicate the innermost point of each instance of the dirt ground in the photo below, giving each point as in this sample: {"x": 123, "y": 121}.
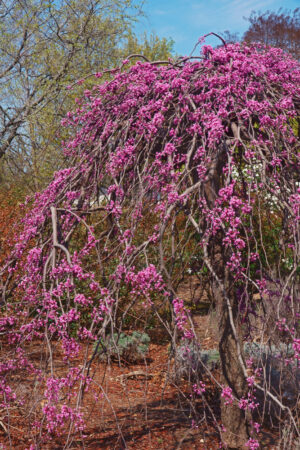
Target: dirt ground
{"x": 141, "y": 406}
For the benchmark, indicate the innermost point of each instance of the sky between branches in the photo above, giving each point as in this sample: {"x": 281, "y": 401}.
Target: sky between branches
{"x": 186, "y": 20}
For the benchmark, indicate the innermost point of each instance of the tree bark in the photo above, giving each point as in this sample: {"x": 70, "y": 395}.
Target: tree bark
{"x": 234, "y": 419}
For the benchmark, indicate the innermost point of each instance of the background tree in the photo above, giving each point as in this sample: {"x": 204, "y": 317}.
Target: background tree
{"x": 45, "y": 46}
{"x": 281, "y": 29}
{"x": 151, "y": 47}
{"x": 230, "y": 37}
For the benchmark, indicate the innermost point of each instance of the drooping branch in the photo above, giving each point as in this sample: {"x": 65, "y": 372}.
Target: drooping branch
{"x": 179, "y": 170}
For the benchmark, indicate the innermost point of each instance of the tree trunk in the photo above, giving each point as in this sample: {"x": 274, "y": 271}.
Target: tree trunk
{"x": 233, "y": 418}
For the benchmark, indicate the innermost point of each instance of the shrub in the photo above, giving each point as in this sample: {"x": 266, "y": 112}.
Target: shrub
{"x": 191, "y": 361}
{"x": 129, "y": 348}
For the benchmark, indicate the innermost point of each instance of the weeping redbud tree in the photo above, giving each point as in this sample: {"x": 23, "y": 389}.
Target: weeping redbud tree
{"x": 189, "y": 160}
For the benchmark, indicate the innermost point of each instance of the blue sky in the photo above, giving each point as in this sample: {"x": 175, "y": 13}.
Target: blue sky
{"x": 186, "y": 20}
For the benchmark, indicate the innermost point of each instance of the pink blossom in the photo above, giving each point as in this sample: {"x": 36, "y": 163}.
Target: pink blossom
{"x": 227, "y": 395}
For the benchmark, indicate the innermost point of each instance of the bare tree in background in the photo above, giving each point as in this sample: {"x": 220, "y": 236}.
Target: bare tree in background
{"x": 281, "y": 29}
{"x": 230, "y": 37}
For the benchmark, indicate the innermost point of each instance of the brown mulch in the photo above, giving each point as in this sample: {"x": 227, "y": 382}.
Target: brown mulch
{"x": 143, "y": 406}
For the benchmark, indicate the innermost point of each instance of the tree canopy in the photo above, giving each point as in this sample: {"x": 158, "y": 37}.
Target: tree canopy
{"x": 199, "y": 161}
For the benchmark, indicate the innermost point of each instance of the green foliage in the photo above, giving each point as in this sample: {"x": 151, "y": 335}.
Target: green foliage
{"x": 152, "y": 47}
{"x": 46, "y": 45}
{"x": 126, "y": 347}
